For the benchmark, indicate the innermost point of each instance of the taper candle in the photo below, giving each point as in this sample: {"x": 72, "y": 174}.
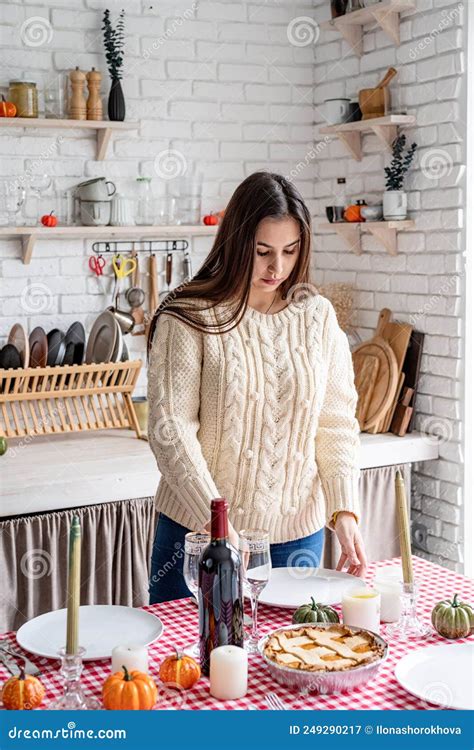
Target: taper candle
{"x": 403, "y": 529}
{"x": 73, "y": 586}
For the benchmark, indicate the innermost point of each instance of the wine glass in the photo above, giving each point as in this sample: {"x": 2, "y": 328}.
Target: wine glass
{"x": 195, "y": 542}
{"x": 254, "y": 548}
{"x": 39, "y": 184}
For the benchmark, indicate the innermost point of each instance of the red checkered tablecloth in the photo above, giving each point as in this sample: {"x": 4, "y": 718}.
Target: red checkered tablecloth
{"x": 180, "y": 628}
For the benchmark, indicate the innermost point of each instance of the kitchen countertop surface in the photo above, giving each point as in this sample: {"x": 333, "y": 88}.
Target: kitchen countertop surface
{"x": 66, "y": 471}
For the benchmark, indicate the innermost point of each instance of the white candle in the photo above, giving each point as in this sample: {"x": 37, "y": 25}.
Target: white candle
{"x": 131, "y": 657}
{"x": 361, "y": 609}
{"x": 228, "y": 672}
{"x": 388, "y": 582}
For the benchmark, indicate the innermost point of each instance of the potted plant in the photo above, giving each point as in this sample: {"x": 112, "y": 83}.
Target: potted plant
{"x": 114, "y": 43}
{"x": 395, "y": 198}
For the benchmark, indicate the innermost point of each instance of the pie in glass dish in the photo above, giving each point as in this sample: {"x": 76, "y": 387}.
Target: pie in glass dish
{"x": 312, "y": 648}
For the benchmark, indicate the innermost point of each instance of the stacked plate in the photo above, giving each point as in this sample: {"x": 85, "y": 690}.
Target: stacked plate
{"x": 40, "y": 349}
{"x": 106, "y": 342}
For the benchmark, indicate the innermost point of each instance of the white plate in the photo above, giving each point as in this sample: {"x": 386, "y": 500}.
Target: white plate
{"x": 292, "y": 587}
{"x": 101, "y": 628}
{"x": 442, "y": 675}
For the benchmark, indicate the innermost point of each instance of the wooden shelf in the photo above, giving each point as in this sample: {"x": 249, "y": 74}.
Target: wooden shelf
{"x": 384, "y": 231}
{"x": 29, "y": 235}
{"x": 385, "y": 128}
{"x": 103, "y": 128}
{"x": 385, "y": 15}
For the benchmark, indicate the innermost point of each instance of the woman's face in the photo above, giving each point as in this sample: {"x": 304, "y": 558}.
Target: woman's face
{"x": 277, "y": 245}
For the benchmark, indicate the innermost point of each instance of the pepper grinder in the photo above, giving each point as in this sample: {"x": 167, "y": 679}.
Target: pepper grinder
{"x": 77, "y": 102}
{"x": 94, "y": 102}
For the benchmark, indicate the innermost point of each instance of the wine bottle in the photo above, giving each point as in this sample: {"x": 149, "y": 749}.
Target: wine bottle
{"x": 220, "y": 589}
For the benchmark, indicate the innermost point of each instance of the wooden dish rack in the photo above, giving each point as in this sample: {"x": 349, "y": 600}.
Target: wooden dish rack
{"x": 69, "y": 398}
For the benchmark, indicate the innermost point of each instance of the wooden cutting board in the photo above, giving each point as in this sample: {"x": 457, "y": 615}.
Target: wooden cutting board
{"x": 366, "y": 371}
{"x": 412, "y": 369}
{"x": 386, "y": 378}
{"x": 402, "y": 414}
{"x": 397, "y": 335}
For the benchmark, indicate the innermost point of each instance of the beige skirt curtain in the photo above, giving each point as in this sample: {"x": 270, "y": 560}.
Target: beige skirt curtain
{"x": 379, "y": 516}
{"x": 117, "y": 541}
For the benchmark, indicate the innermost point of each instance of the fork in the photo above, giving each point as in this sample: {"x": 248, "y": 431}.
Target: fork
{"x": 275, "y": 703}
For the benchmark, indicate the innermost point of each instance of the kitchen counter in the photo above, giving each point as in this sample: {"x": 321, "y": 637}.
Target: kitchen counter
{"x": 57, "y": 472}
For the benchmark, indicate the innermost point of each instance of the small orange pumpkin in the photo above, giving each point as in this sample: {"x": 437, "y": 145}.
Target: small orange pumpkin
{"x": 129, "y": 691}
{"x": 7, "y": 109}
{"x": 49, "y": 220}
{"x": 352, "y": 213}
{"x": 23, "y": 692}
{"x": 211, "y": 220}
{"x": 180, "y": 671}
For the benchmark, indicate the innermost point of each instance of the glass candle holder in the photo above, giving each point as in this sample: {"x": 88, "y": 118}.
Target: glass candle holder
{"x": 73, "y": 697}
{"x": 409, "y": 627}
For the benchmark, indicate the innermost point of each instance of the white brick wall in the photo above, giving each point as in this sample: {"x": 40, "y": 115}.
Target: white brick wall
{"x": 227, "y": 89}
{"x": 424, "y": 283}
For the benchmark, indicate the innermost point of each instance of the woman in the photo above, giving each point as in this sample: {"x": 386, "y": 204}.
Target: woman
{"x": 251, "y": 394}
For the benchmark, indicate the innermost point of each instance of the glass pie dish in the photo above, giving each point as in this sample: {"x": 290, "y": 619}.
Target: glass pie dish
{"x": 323, "y": 657}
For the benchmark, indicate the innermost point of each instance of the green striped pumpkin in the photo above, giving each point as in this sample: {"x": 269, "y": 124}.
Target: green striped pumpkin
{"x": 315, "y": 613}
{"x": 453, "y": 619}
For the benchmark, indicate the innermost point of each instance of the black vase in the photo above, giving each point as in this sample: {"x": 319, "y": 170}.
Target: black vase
{"x": 116, "y": 103}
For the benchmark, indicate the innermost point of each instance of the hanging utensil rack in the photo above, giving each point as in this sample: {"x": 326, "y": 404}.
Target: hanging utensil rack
{"x": 140, "y": 246}
{"x": 68, "y": 398}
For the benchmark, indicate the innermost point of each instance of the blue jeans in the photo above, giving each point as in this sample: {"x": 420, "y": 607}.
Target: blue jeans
{"x": 166, "y": 576}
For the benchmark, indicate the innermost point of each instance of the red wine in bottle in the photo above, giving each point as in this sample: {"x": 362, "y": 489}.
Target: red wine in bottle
{"x": 220, "y": 589}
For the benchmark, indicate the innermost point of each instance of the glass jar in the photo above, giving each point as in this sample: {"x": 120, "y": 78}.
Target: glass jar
{"x": 145, "y": 202}
{"x": 24, "y": 96}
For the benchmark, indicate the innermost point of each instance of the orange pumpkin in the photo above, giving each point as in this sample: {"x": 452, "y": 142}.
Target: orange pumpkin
{"x": 129, "y": 691}
{"x": 7, "y": 109}
{"x": 352, "y": 213}
{"x": 180, "y": 671}
{"x": 23, "y": 692}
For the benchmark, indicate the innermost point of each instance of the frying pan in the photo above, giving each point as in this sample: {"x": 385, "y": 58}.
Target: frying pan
{"x": 38, "y": 348}
{"x": 56, "y": 347}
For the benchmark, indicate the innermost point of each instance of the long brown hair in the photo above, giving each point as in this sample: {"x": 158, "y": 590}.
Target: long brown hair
{"x": 226, "y": 273}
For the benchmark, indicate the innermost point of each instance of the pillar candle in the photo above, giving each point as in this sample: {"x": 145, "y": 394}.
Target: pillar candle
{"x": 131, "y": 657}
{"x": 361, "y": 609}
{"x": 73, "y": 586}
{"x": 228, "y": 672}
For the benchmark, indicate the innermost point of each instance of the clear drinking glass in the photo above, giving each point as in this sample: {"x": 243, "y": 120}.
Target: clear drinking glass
{"x": 256, "y": 562}
{"x": 195, "y": 542}
{"x": 38, "y": 184}
{"x": 12, "y": 198}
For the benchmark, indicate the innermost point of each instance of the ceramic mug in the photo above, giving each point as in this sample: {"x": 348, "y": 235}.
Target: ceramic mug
{"x": 337, "y": 110}
{"x": 98, "y": 189}
{"x": 95, "y": 213}
{"x": 335, "y": 213}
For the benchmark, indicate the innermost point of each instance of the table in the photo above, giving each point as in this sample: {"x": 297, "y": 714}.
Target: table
{"x": 179, "y": 618}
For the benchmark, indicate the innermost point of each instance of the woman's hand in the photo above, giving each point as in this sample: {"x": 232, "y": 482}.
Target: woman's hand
{"x": 352, "y": 545}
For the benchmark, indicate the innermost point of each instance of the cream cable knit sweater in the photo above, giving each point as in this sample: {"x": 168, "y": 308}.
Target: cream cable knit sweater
{"x": 263, "y": 415}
